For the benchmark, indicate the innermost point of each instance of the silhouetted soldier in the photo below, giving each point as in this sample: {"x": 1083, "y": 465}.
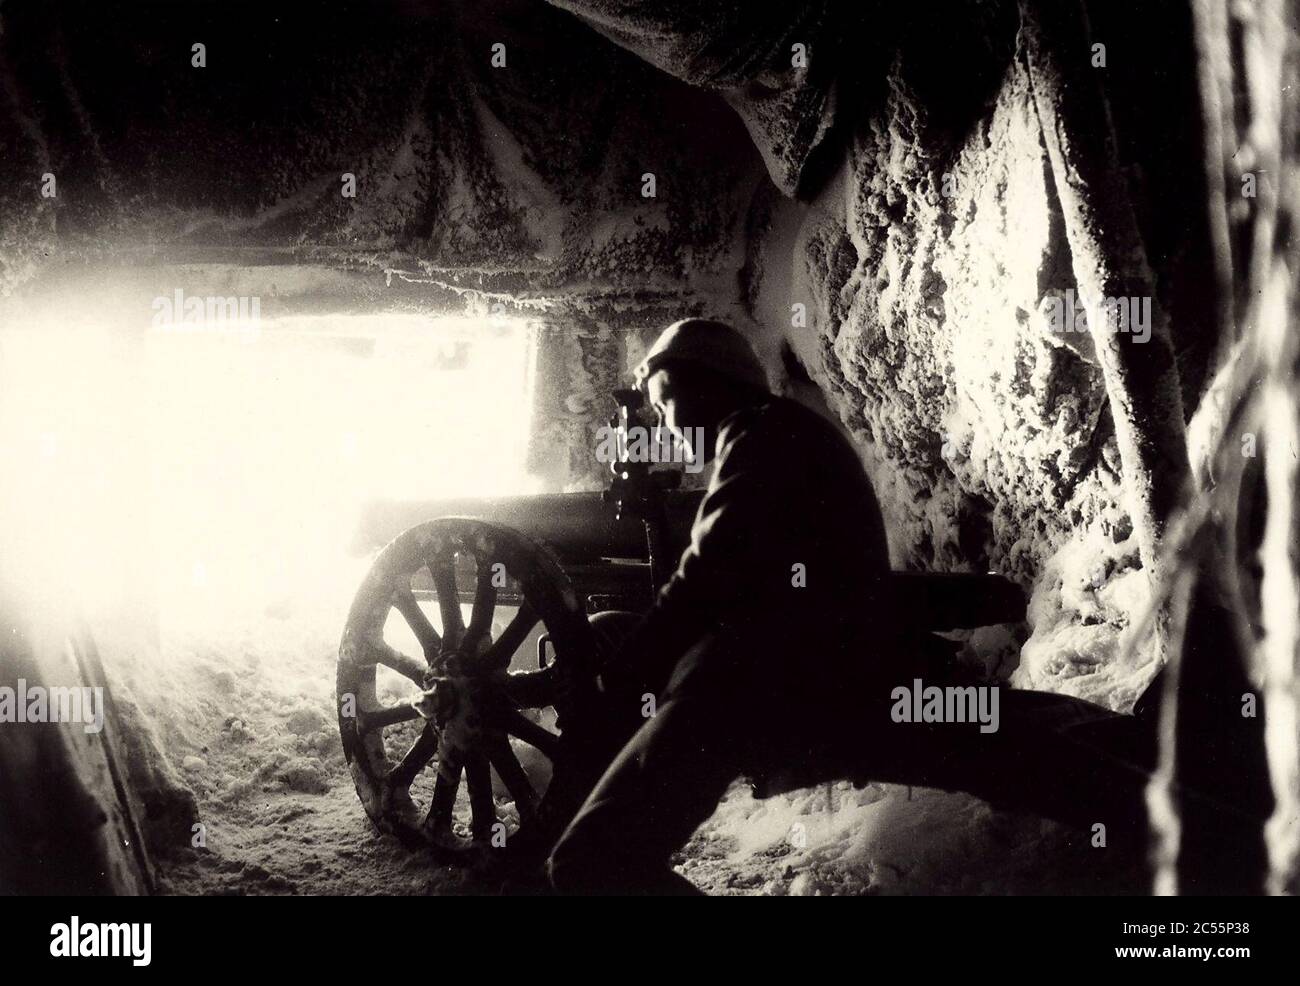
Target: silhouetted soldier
{"x": 755, "y": 645}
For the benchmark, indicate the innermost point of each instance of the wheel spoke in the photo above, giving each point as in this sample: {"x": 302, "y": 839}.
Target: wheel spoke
{"x": 405, "y": 602}
{"x": 513, "y": 776}
{"x": 416, "y": 758}
{"x": 483, "y": 809}
{"x": 444, "y": 789}
{"x": 485, "y": 604}
{"x": 390, "y": 657}
{"x": 368, "y": 722}
{"x": 500, "y": 653}
{"x": 517, "y": 724}
{"x": 443, "y": 571}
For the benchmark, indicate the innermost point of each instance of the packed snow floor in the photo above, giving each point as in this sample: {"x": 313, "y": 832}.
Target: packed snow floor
{"x": 246, "y": 715}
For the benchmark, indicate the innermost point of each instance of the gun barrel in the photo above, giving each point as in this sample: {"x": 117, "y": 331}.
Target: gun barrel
{"x": 577, "y": 526}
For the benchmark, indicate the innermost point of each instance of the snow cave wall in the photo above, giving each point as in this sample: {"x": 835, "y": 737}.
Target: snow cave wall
{"x": 924, "y": 267}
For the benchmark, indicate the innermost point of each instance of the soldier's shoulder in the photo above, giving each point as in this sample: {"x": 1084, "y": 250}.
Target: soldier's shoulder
{"x": 780, "y": 424}
{"x": 781, "y": 418}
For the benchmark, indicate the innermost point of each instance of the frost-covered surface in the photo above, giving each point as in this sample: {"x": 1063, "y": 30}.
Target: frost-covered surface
{"x": 1082, "y": 612}
{"x": 924, "y": 270}
{"x": 246, "y": 714}
{"x": 779, "y": 67}
{"x": 535, "y": 167}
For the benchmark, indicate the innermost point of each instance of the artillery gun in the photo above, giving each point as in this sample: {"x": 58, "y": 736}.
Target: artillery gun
{"x": 488, "y": 693}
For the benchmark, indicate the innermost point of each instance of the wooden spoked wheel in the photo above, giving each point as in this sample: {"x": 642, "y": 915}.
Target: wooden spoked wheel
{"x": 464, "y": 714}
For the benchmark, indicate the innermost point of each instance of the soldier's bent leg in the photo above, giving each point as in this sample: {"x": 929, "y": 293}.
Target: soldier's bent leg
{"x": 667, "y": 780}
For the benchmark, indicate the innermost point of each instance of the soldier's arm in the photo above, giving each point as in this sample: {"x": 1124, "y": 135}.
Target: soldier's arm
{"x": 728, "y": 566}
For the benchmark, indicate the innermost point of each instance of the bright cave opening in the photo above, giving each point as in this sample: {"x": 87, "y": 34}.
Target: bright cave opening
{"x": 256, "y": 450}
